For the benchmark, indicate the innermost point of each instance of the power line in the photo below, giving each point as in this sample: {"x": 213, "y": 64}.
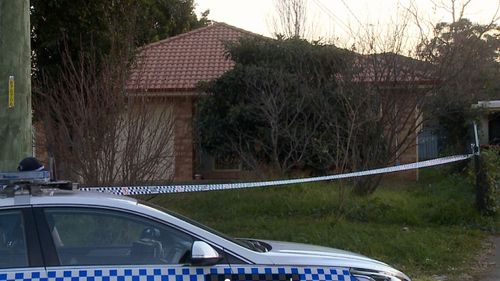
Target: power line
{"x": 352, "y": 13}
{"x": 332, "y": 16}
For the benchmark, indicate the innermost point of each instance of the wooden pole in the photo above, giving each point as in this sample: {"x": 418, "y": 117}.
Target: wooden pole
{"x": 15, "y": 83}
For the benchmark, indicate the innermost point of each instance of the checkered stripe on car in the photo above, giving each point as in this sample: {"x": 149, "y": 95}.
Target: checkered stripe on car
{"x": 38, "y": 275}
{"x": 135, "y": 274}
{"x": 291, "y": 274}
{"x": 185, "y": 274}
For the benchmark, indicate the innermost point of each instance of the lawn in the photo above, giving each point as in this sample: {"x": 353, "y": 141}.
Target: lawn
{"x": 426, "y": 228}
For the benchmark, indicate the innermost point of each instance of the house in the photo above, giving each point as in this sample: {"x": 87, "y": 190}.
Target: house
{"x": 172, "y": 68}
{"x": 167, "y": 73}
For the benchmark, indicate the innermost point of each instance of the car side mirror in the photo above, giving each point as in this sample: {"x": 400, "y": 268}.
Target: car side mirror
{"x": 204, "y": 254}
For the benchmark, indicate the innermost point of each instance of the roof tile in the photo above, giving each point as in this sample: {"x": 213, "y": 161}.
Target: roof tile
{"x": 178, "y": 63}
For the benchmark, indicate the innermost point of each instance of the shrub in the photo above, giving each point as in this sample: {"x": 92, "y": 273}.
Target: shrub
{"x": 489, "y": 180}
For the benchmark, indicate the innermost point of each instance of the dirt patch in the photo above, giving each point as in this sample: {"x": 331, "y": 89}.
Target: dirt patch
{"x": 483, "y": 267}
{"x": 486, "y": 266}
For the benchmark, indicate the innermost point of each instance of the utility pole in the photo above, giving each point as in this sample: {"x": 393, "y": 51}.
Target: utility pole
{"x": 15, "y": 83}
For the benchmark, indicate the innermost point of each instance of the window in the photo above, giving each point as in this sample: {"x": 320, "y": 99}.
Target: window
{"x": 103, "y": 237}
{"x": 12, "y": 240}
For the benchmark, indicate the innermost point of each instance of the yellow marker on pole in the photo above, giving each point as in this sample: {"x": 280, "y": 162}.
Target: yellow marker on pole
{"x": 11, "y": 91}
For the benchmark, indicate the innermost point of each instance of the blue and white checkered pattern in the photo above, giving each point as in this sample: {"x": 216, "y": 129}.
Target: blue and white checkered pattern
{"x": 303, "y": 273}
{"x": 244, "y": 273}
{"x": 158, "y": 189}
{"x": 130, "y": 274}
{"x": 31, "y": 275}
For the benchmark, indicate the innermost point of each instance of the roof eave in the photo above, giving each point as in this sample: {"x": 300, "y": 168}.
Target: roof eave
{"x": 164, "y": 92}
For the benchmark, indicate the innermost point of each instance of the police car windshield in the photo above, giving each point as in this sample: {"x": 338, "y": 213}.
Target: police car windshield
{"x": 253, "y": 245}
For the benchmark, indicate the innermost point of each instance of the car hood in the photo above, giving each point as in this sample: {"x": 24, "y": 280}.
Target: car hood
{"x": 286, "y": 253}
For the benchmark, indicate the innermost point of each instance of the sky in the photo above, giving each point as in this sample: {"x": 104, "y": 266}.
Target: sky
{"x": 340, "y": 20}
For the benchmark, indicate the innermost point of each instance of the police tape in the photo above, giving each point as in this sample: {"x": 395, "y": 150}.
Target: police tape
{"x": 159, "y": 189}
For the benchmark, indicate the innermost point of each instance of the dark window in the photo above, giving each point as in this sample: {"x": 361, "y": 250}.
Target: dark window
{"x": 12, "y": 240}
{"x": 494, "y": 128}
{"x": 104, "y": 237}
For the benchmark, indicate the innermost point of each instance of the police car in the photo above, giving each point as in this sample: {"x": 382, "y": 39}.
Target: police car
{"x": 50, "y": 234}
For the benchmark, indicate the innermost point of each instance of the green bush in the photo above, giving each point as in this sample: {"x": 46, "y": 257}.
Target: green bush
{"x": 490, "y": 162}
{"x": 488, "y": 181}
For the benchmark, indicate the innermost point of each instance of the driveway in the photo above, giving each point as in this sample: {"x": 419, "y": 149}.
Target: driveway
{"x": 493, "y": 271}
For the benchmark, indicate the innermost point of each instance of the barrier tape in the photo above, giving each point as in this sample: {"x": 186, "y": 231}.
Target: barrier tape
{"x": 159, "y": 189}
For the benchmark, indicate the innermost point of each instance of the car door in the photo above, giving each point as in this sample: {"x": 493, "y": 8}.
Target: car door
{"x": 100, "y": 244}
{"x": 20, "y": 255}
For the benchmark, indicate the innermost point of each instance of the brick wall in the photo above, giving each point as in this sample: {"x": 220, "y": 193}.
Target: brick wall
{"x": 409, "y": 156}
{"x": 183, "y": 140}
{"x": 40, "y": 141}
{"x": 408, "y": 117}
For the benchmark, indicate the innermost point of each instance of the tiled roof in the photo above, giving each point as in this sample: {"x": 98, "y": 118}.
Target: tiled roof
{"x": 178, "y": 63}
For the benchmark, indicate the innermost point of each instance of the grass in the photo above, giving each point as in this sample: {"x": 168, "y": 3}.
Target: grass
{"x": 424, "y": 228}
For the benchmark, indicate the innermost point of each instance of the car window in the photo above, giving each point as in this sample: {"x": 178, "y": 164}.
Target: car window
{"x": 85, "y": 236}
{"x": 13, "y": 251}
{"x": 241, "y": 242}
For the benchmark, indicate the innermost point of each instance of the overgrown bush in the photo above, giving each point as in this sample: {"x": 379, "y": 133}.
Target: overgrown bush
{"x": 489, "y": 184}
{"x": 290, "y": 106}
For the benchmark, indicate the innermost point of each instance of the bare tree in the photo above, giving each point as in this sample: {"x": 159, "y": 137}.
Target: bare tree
{"x": 99, "y": 134}
{"x": 373, "y": 116}
{"x": 96, "y": 132}
{"x": 291, "y": 18}
{"x": 450, "y": 69}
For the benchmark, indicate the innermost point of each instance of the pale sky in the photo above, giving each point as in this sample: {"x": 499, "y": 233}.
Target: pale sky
{"x": 340, "y": 20}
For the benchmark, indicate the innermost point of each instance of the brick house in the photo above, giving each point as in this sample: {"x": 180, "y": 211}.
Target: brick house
{"x": 169, "y": 70}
